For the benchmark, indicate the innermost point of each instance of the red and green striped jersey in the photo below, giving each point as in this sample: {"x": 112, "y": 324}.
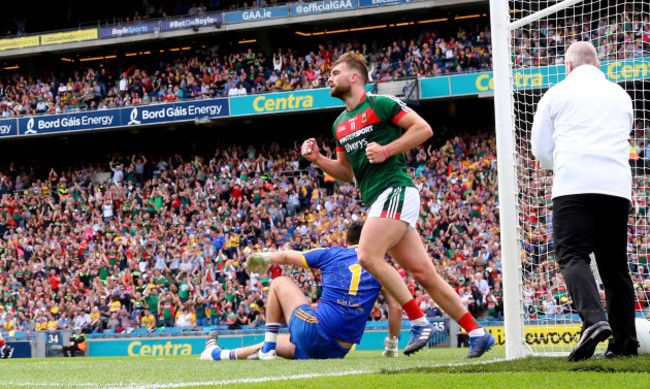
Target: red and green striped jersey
{"x": 373, "y": 120}
{"x": 168, "y": 310}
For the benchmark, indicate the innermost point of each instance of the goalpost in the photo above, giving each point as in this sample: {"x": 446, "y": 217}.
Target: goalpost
{"x": 529, "y": 38}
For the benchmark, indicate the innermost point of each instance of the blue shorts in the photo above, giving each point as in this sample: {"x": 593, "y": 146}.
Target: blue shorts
{"x": 311, "y": 341}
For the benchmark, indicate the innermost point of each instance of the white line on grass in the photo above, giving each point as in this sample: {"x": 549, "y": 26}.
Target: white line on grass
{"x": 185, "y": 384}
{"x": 235, "y": 380}
{"x": 241, "y": 380}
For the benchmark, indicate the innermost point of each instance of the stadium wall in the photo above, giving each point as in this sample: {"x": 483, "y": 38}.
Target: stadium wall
{"x": 141, "y": 345}
{"x": 177, "y": 341}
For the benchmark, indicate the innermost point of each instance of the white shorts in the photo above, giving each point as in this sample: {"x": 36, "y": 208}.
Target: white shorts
{"x": 401, "y": 203}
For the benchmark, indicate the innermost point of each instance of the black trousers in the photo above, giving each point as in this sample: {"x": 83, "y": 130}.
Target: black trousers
{"x": 68, "y": 351}
{"x": 586, "y": 223}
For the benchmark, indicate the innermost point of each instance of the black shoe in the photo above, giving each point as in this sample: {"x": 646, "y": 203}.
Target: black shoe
{"x": 607, "y": 355}
{"x": 611, "y": 354}
{"x": 589, "y": 340}
{"x": 7, "y": 351}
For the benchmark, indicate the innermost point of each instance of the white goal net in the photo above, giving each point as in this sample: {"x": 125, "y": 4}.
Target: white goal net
{"x": 529, "y": 40}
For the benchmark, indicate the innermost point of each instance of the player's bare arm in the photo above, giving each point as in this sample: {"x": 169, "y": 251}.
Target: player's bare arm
{"x": 338, "y": 168}
{"x": 417, "y": 131}
{"x": 290, "y": 257}
{"x": 261, "y": 261}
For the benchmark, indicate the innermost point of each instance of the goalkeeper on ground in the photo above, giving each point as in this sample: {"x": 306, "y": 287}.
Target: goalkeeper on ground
{"x": 349, "y": 293}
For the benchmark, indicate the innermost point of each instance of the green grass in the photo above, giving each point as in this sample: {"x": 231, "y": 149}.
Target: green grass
{"x": 440, "y": 368}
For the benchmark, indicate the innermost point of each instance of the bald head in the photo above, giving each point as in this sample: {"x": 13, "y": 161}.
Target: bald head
{"x": 581, "y": 53}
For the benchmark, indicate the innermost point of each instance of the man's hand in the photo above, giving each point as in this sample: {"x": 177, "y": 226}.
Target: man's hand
{"x": 310, "y": 150}
{"x": 258, "y": 262}
{"x": 376, "y": 153}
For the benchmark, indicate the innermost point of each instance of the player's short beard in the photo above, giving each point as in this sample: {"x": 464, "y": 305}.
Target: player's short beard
{"x": 340, "y": 91}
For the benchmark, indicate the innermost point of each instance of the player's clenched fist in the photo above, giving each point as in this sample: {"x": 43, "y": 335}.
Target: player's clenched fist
{"x": 376, "y": 153}
{"x": 258, "y": 262}
{"x": 310, "y": 150}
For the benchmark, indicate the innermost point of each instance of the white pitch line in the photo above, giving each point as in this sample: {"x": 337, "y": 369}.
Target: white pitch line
{"x": 241, "y": 380}
{"x": 187, "y": 384}
{"x": 236, "y": 380}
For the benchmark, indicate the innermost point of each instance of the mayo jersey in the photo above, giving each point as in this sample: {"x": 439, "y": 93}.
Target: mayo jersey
{"x": 373, "y": 120}
{"x": 349, "y": 292}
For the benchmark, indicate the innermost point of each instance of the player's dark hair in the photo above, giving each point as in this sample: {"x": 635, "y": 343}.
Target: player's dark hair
{"x": 355, "y": 62}
{"x": 354, "y": 232}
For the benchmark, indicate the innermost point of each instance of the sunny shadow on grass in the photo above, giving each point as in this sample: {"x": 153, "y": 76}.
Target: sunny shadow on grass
{"x": 640, "y": 364}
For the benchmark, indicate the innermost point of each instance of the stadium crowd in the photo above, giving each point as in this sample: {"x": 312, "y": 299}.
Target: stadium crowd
{"x": 210, "y": 73}
{"x": 626, "y": 35}
{"x": 161, "y": 243}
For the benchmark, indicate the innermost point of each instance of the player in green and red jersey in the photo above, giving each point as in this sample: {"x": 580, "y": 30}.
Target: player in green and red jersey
{"x": 370, "y": 145}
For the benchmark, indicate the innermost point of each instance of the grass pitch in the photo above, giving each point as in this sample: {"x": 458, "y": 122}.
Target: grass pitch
{"x": 440, "y": 368}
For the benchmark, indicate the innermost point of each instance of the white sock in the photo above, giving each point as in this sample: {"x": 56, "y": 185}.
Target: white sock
{"x": 477, "y": 332}
{"x": 420, "y": 322}
{"x": 392, "y": 343}
{"x": 270, "y": 337}
{"x": 228, "y": 354}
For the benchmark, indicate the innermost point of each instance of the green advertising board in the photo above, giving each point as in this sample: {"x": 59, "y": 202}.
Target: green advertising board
{"x": 528, "y": 78}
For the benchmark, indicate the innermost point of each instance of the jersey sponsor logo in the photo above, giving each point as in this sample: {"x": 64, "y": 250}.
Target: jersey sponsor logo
{"x": 350, "y": 147}
{"x": 352, "y": 304}
{"x": 356, "y": 134}
{"x": 358, "y": 122}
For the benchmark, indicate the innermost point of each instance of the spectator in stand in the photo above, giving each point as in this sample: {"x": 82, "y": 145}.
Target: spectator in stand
{"x": 184, "y": 318}
{"x": 113, "y": 322}
{"x": 432, "y": 310}
{"x": 148, "y": 320}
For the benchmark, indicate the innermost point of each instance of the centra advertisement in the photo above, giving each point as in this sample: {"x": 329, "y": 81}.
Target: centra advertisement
{"x": 163, "y": 346}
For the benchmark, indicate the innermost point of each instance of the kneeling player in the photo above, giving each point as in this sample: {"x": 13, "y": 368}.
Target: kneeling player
{"x": 349, "y": 293}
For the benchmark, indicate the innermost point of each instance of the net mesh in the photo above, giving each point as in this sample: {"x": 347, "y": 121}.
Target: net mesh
{"x": 620, "y": 31}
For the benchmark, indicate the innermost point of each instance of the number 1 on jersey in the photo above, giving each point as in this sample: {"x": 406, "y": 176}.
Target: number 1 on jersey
{"x": 356, "y": 277}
